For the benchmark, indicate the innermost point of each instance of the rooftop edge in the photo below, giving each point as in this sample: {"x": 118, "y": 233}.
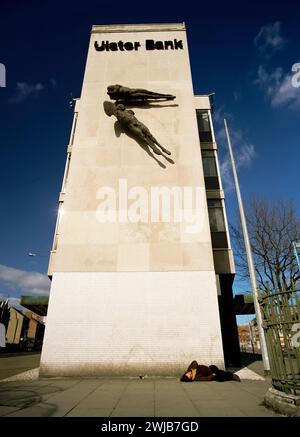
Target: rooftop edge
{"x": 154, "y": 27}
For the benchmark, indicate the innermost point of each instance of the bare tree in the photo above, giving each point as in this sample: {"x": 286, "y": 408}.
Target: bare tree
{"x": 272, "y": 227}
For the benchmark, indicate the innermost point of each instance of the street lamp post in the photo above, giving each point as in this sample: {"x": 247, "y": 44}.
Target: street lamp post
{"x": 249, "y": 258}
{"x": 33, "y": 254}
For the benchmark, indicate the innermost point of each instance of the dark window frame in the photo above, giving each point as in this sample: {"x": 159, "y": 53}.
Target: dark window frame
{"x": 218, "y": 234}
{"x": 205, "y": 135}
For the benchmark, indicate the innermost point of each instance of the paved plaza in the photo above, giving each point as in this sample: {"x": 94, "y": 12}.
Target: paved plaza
{"x": 24, "y": 395}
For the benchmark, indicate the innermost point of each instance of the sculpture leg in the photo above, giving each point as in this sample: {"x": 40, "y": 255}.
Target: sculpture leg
{"x": 162, "y": 96}
{"x": 153, "y": 146}
{"x": 154, "y": 140}
{"x": 164, "y": 149}
{"x": 145, "y": 94}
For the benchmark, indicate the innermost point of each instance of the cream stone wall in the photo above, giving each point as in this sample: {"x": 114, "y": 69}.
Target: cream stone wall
{"x": 131, "y": 324}
{"x": 132, "y": 298}
{"x": 100, "y": 158}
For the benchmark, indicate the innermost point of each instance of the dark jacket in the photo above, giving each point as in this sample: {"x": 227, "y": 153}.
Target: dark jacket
{"x": 210, "y": 373}
{"x": 203, "y": 373}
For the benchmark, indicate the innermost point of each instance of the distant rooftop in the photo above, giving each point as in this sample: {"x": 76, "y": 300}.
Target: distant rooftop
{"x": 37, "y": 304}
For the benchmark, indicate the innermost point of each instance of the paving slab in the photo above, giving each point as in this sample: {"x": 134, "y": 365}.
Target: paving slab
{"x": 217, "y": 408}
{"x": 89, "y": 412}
{"x": 171, "y": 399}
{"x": 129, "y": 397}
{"x": 4, "y": 410}
{"x": 138, "y": 396}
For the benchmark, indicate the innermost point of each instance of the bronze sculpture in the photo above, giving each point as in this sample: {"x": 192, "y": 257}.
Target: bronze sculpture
{"x": 132, "y": 126}
{"x": 119, "y": 92}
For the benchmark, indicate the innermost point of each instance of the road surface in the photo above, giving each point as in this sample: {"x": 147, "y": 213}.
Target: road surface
{"x": 18, "y": 362}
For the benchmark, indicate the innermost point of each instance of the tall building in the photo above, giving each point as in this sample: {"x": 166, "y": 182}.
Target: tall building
{"x": 141, "y": 264}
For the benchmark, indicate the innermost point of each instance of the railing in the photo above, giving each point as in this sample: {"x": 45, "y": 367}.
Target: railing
{"x": 281, "y": 323}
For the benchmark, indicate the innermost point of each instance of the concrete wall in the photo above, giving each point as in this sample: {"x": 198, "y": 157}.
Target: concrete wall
{"x": 131, "y": 324}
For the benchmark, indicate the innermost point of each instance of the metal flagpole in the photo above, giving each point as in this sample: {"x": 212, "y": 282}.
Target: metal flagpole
{"x": 249, "y": 259}
{"x": 296, "y": 247}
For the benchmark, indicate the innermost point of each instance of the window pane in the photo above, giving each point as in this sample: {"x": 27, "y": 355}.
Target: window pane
{"x": 216, "y": 220}
{"x": 204, "y": 126}
{"x": 212, "y": 183}
{"x": 208, "y": 153}
{"x": 209, "y": 167}
{"x": 216, "y": 217}
{"x": 214, "y": 203}
{"x": 219, "y": 240}
{"x": 203, "y": 121}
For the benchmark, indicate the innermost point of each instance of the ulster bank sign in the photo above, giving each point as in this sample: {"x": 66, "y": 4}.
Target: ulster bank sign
{"x": 149, "y": 44}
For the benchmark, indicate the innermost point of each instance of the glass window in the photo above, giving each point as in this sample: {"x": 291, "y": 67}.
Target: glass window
{"x": 204, "y": 126}
{"x": 209, "y": 163}
{"x": 210, "y": 170}
{"x": 216, "y": 216}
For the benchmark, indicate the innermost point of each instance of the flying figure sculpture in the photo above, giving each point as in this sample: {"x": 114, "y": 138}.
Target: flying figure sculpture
{"x": 119, "y": 92}
{"x": 131, "y": 125}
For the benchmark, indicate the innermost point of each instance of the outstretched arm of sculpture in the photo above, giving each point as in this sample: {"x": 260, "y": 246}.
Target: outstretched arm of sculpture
{"x": 119, "y": 92}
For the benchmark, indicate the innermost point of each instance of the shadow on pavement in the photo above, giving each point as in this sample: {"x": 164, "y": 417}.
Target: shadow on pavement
{"x": 248, "y": 358}
{"x": 24, "y": 397}
{"x": 254, "y": 362}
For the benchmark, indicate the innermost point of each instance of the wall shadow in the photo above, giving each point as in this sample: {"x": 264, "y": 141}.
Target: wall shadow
{"x": 146, "y": 104}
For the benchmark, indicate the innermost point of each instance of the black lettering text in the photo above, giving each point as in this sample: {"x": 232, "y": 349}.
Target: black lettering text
{"x": 150, "y": 44}
{"x": 169, "y": 44}
{"x": 121, "y": 46}
{"x": 159, "y": 45}
{"x": 99, "y": 48}
{"x": 178, "y": 44}
{"x": 128, "y": 46}
{"x": 113, "y": 46}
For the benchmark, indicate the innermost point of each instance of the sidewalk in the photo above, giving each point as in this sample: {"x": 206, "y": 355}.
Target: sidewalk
{"x": 105, "y": 397}
{"x": 18, "y": 362}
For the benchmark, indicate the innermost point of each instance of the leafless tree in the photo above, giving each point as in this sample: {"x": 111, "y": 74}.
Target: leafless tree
{"x": 272, "y": 227}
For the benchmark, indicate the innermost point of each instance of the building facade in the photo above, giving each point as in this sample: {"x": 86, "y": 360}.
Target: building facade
{"x": 220, "y": 239}
{"x": 141, "y": 259}
{"x": 21, "y": 329}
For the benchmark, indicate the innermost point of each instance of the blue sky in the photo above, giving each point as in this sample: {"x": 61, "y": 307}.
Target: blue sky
{"x": 242, "y": 52}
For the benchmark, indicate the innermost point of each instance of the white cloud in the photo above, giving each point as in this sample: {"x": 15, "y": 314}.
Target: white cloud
{"x": 24, "y": 90}
{"x": 226, "y": 173}
{"x": 23, "y": 281}
{"x": 246, "y": 155}
{"x": 278, "y": 87}
{"x": 244, "y": 152}
{"x": 218, "y": 118}
{"x": 269, "y": 40}
{"x": 268, "y": 81}
{"x": 53, "y": 83}
{"x": 286, "y": 93}
{"x": 236, "y": 96}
